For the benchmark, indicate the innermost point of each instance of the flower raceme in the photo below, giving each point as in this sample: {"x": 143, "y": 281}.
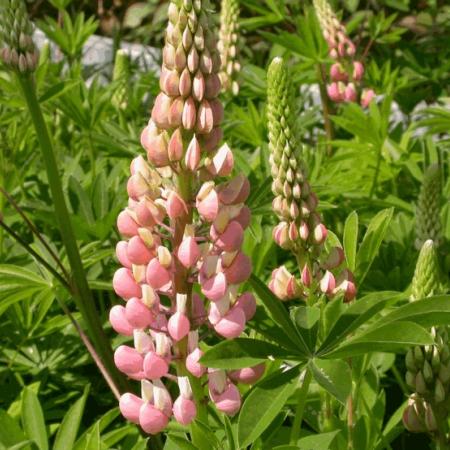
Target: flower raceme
{"x": 346, "y": 73}
{"x": 228, "y": 45}
{"x": 300, "y": 229}
{"x": 183, "y": 230}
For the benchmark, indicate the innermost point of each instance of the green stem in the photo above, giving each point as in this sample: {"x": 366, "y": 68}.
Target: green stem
{"x": 81, "y": 292}
{"x": 301, "y": 402}
{"x": 350, "y": 419}
{"x": 326, "y": 107}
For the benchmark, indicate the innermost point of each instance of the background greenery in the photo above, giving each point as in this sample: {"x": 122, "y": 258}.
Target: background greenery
{"x": 51, "y": 391}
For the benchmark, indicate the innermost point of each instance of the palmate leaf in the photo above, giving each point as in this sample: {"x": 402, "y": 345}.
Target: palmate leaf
{"x": 354, "y": 316}
{"x": 243, "y": 352}
{"x": 279, "y": 315}
{"x": 385, "y": 338}
{"x": 334, "y": 376}
{"x": 18, "y": 284}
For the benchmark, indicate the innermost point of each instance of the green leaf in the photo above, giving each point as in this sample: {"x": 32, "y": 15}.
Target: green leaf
{"x": 10, "y": 432}
{"x": 93, "y": 439}
{"x": 241, "y": 352}
{"x": 263, "y": 404}
{"x": 355, "y": 315}
{"x": 67, "y": 431}
{"x": 307, "y": 321}
{"x": 181, "y": 442}
{"x": 57, "y": 89}
{"x": 385, "y": 338}
{"x": 33, "y": 419}
{"x": 265, "y": 326}
{"x": 426, "y": 312}
{"x": 229, "y": 431}
{"x": 334, "y": 376}
{"x": 321, "y": 441}
{"x": 103, "y": 422}
{"x": 279, "y": 314}
{"x": 351, "y": 239}
{"x": 204, "y": 438}
{"x": 371, "y": 243}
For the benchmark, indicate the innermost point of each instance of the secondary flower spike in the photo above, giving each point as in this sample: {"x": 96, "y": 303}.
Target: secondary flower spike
{"x": 300, "y": 229}
{"x": 346, "y": 73}
{"x": 182, "y": 234}
{"x": 228, "y": 45}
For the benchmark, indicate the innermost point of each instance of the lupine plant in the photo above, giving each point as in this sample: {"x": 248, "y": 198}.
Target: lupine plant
{"x": 224, "y": 243}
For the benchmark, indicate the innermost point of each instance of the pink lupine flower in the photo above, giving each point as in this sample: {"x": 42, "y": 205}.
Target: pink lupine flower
{"x": 184, "y": 408}
{"x": 366, "y": 98}
{"x": 249, "y": 375}
{"x": 284, "y": 285}
{"x": 224, "y": 394}
{"x": 182, "y": 230}
{"x": 130, "y": 406}
{"x": 119, "y": 321}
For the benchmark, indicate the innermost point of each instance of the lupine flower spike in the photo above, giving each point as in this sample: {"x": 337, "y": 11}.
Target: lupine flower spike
{"x": 17, "y": 49}
{"x": 428, "y": 208}
{"x": 300, "y": 228}
{"x": 346, "y": 73}
{"x": 228, "y": 45}
{"x": 428, "y": 368}
{"x": 183, "y": 230}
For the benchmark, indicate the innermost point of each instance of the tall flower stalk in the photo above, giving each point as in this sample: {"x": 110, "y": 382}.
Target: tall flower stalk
{"x": 300, "y": 229}
{"x": 183, "y": 230}
{"x": 321, "y": 270}
{"x": 19, "y": 53}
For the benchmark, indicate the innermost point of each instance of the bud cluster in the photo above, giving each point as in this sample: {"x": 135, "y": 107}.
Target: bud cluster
{"x": 17, "y": 49}
{"x": 428, "y": 277}
{"x": 300, "y": 228}
{"x": 428, "y": 367}
{"x": 346, "y": 73}
{"x": 183, "y": 229}
{"x": 228, "y": 45}
{"x": 428, "y": 208}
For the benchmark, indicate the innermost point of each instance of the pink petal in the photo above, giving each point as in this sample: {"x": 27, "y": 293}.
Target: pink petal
{"x": 184, "y": 410}
{"x": 232, "y": 324}
{"x": 155, "y": 366}
{"x": 128, "y": 359}
{"x": 152, "y": 420}
{"x": 125, "y": 285}
{"x": 119, "y": 321}
{"x": 178, "y": 326}
{"x": 137, "y": 314}
{"x": 130, "y": 406}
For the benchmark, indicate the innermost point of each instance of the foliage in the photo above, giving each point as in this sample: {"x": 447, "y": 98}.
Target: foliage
{"x": 367, "y": 174}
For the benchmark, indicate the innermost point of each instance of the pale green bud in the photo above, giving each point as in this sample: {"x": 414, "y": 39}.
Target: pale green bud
{"x": 428, "y": 222}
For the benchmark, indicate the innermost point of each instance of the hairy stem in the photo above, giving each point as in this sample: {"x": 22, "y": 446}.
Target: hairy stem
{"x": 81, "y": 292}
{"x": 301, "y": 402}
